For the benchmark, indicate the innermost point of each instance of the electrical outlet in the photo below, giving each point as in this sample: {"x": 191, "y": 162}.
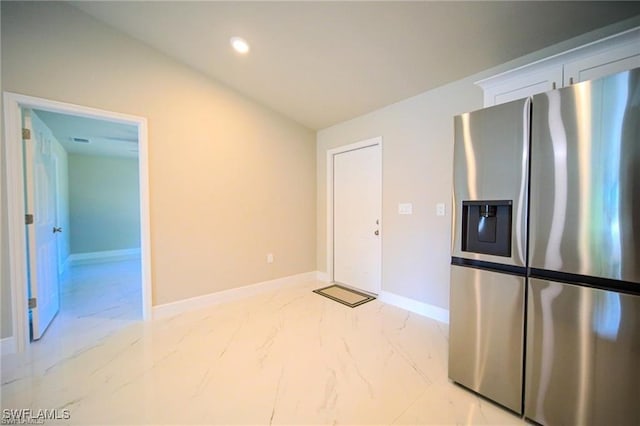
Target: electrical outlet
{"x": 440, "y": 209}
{"x": 270, "y": 258}
{"x": 405, "y": 208}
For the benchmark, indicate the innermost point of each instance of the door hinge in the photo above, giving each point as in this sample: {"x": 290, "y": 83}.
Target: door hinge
{"x": 28, "y": 219}
{"x": 33, "y": 303}
{"x": 26, "y": 134}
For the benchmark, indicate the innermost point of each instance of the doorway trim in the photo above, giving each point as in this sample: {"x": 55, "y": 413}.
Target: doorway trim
{"x": 13, "y": 103}
{"x": 331, "y": 153}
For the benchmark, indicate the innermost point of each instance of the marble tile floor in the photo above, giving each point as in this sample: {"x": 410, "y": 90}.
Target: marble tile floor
{"x": 286, "y": 356}
{"x": 96, "y": 300}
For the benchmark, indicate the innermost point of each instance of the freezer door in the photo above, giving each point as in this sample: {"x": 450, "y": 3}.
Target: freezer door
{"x": 583, "y": 353}
{"x": 585, "y": 179}
{"x": 491, "y": 162}
{"x": 486, "y": 327}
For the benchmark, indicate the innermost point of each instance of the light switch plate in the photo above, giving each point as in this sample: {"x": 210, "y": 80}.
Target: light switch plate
{"x": 440, "y": 210}
{"x": 405, "y": 208}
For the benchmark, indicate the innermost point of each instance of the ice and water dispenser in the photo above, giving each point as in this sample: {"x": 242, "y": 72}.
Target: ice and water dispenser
{"x": 486, "y": 227}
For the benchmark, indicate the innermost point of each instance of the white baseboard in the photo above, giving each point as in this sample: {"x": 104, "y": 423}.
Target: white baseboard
{"x": 322, "y": 276}
{"x": 103, "y": 256}
{"x": 174, "y": 308}
{"x": 425, "y": 309}
{"x": 8, "y": 345}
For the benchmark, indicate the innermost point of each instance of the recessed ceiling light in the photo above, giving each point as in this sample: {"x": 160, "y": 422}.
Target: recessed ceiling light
{"x": 239, "y": 45}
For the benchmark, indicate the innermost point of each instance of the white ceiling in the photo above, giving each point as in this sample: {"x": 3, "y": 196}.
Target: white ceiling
{"x": 106, "y": 138}
{"x": 322, "y": 62}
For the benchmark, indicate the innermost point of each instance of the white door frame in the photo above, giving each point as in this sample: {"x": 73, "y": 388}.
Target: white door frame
{"x": 13, "y": 103}
{"x": 330, "y": 154}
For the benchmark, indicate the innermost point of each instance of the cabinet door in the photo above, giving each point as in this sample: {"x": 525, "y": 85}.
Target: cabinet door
{"x": 522, "y": 86}
{"x": 602, "y": 64}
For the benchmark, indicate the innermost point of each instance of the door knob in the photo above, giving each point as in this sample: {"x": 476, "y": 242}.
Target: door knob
{"x": 377, "y": 232}
{"x": 57, "y": 229}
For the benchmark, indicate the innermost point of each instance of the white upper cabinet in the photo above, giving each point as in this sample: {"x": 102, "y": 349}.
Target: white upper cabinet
{"x": 610, "y": 61}
{"x": 522, "y": 85}
{"x": 607, "y": 56}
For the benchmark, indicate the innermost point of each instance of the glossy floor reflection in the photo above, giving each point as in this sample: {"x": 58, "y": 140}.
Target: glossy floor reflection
{"x": 287, "y": 356}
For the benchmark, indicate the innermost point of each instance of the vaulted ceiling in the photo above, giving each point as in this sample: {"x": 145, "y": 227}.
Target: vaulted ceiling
{"x": 323, "y": 62}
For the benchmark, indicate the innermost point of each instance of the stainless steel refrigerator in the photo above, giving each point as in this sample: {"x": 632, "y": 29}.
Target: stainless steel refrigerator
{"x": 583, "y": 313}
{"x": 546, "y": 320}
{"x": 488, "y": 264}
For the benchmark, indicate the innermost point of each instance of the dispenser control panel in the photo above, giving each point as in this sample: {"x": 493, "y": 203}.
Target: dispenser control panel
{"x": 486, "y": 227}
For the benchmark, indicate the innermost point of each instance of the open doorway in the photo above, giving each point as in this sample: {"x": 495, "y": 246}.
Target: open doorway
{"x": 50, "y": 111}
{"x": 94, "y": 213}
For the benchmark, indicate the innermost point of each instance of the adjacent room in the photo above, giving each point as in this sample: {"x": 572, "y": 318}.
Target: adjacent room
{"x": 286, "y": 212}
{"x": 94, "y": 202}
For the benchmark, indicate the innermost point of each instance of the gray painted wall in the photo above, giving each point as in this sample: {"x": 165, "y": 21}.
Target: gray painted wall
{"x": 247, "y": 170}
{"x": 104, "y": 203}
{"x": 417, "y": 157}
{"x": 229, "y": 183}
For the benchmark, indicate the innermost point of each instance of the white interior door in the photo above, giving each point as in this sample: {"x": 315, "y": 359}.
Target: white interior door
{"x": 40, "y": 200}
{"x": 357, "y": 199}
